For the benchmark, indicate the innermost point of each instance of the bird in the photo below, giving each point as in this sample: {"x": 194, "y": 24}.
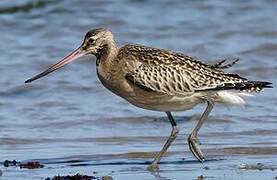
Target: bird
{"x": 162, "y": 80}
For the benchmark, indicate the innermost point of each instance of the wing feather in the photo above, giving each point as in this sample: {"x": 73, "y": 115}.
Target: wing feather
{"x": 175, "y": 73}
{"x": 160, "y": 79}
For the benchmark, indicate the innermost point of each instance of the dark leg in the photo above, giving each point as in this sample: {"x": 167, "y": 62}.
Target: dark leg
{"x": 171, "y": 138}
{"x": 193, "y": 137}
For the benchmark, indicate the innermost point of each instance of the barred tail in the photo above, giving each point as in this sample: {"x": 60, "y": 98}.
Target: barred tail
{"x": 251, "y": 86}
{"x": 246, "y": 86}
{"x": 245, "y": 89}
{"x": 259, "y": 85}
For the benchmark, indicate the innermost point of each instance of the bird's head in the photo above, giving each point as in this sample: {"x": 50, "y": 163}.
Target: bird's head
{"x": 95, "y": 41}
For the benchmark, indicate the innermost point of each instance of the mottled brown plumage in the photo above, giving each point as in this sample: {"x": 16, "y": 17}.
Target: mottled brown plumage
{"x": 161, "y": 80}
{"x": 174, "y": 73}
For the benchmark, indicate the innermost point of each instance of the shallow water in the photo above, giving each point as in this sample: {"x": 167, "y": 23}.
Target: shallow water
{"x": 72, "y": 124}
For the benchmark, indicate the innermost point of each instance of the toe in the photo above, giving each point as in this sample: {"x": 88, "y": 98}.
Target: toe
{"x": 195, "y": 149}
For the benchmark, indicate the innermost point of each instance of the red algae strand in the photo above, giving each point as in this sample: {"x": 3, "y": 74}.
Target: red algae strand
{"x": 31, "y": 165}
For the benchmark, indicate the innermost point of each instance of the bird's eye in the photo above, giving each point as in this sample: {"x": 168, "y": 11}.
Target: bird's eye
{"x": 91, "y": 40}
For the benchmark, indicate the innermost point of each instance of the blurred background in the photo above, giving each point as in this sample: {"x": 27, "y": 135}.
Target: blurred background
{"x": 72, "y": 124}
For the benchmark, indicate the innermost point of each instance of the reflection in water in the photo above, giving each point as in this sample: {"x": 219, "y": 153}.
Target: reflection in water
{"x": 72, "y": 124}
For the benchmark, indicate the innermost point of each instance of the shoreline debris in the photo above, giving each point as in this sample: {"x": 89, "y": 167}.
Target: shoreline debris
{"x": 27, "y": 165}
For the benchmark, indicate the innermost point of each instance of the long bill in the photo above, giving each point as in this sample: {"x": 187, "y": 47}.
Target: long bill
{"x": 69, "y": 58}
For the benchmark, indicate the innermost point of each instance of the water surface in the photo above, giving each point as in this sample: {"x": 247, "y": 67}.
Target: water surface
{"x": 72, "y": 124}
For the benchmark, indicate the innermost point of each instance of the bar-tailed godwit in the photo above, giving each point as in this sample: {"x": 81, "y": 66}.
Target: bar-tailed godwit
{"x": 161, "y": 80}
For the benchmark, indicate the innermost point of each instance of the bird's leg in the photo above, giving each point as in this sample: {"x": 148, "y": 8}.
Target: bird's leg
{"x": 193, "y": 137}
{"x": 171, "y": 138}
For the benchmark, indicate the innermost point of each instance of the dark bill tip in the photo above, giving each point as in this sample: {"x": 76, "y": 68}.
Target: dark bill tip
{"x": 69, "y": 58}
{"x": 28, "y": 81}
{"x": 38, "y": 76}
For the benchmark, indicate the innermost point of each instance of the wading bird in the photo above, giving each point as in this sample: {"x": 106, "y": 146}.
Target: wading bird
{"x": 161, "y": 80}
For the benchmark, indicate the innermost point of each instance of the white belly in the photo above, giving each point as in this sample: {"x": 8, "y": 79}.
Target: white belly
{"x": 166, "y": 103}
